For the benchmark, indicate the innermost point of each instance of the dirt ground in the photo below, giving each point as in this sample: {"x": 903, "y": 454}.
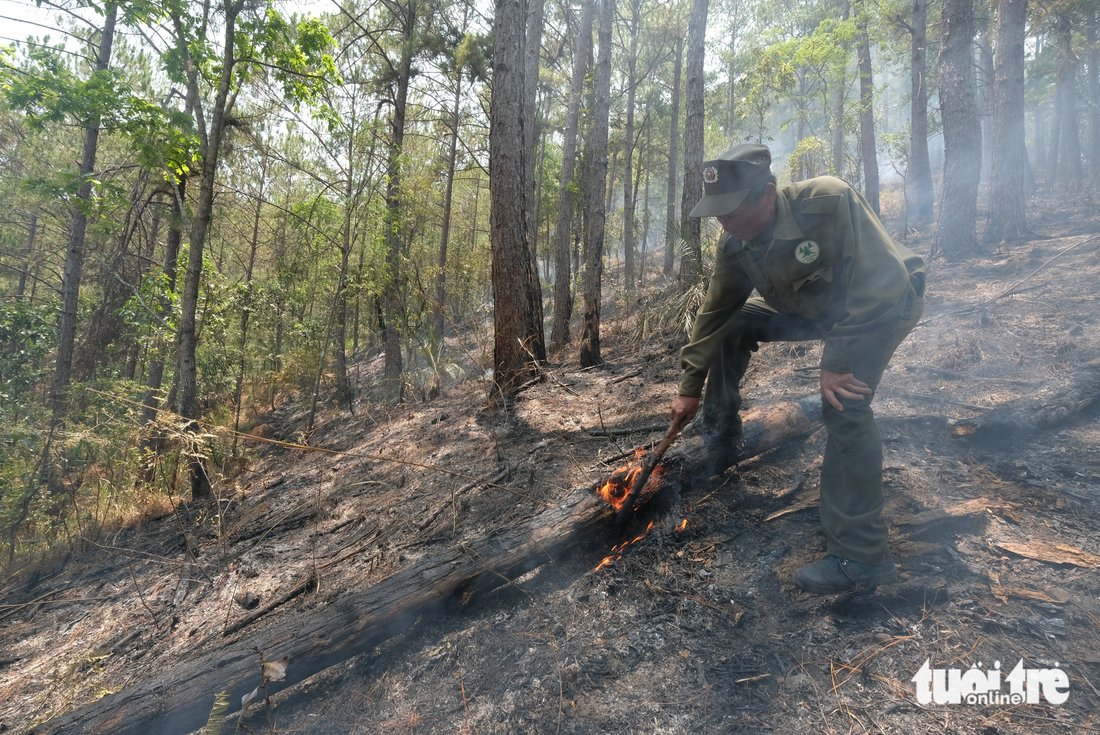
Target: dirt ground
{"x": 696, "y": 630}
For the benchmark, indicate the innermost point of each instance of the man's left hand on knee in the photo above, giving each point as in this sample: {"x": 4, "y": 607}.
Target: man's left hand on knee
{"x": 835, "y": 386}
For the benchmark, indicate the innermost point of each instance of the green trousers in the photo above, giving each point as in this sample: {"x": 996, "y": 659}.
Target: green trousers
{"x": 851, "y": 472}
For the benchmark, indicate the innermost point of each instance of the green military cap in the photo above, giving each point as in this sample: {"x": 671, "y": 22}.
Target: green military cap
{"x": 728, "y": 178}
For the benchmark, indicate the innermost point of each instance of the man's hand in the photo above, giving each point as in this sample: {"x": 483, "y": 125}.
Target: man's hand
{"x": 835, "y": 386}
{"x": 684, "y": 409}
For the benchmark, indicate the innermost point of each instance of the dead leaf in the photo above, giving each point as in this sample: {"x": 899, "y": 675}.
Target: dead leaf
{"x": 1051, "y": 553}
{"x": 276, "y": 670}
{"x": 246, "y": 700}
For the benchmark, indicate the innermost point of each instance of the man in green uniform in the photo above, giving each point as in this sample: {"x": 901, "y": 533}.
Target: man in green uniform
{"x": 825, "y": 269}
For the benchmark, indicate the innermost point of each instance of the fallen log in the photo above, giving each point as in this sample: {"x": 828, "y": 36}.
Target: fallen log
{"x": 1046, "y": 407}
{"x": 178, "y": 700}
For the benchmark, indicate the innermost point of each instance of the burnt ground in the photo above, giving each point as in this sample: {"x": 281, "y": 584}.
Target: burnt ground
{"x": 688, "y": 631}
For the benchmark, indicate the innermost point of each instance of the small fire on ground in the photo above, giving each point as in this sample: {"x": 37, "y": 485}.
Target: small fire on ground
{"x": 614, "y": 492}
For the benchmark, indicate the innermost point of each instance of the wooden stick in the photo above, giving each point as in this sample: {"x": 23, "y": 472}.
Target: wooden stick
{"x": 627, "y": 509}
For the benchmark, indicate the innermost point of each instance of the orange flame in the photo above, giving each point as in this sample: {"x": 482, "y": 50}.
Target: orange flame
{"x": 614, "y": 491}
{"x": 683, "y": 526}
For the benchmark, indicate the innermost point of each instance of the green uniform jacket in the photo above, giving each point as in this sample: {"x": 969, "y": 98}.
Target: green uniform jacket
{"x": 829, "y": 260}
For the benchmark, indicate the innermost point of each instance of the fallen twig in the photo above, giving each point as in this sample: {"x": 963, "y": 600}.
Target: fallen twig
{"x": 309, "y": 583}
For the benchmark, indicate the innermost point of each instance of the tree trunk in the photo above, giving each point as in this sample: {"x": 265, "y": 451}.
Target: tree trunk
{"x": 563, "y": 296}
{"x": 867, "y": 142}
{"x": 246, "y": 312}
{"x": 1053, "y": 152}
{"x": 517, "y": 312}
{"x": 918, "y": 177}
{"x": 1007, "y": 199}
{"x": 983, "y": 87}
{"x": 628, "y": 163}
{"x": 691, "y": 227}
{"x": 1094, "y": 99}
{"x": 841, "y": 93}
{"x": 204, "y": 210}
{"x": 445, "y": 232}
{"x": 671, "y": 236}
{"x": 962, "y": 132}
{"x": 74, "y": 257}
{"x": 392, "y": 386}
{"x": 1072, "y": 171}
{"x": 531, "y": 49}
{"x": 28, "y": 259}
{"x": 645, "y": 205}
{"x": 597, "y": 177}
{"x": 156, "y": 364}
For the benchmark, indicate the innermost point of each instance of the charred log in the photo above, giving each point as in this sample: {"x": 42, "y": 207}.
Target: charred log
{"x": 1044, "y": 408}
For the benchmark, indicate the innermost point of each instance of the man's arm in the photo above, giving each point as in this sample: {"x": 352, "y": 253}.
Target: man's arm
{"x": 728, "y": 290}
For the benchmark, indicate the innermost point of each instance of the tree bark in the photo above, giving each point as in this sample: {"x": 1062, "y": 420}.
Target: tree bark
{"x": 691, "y": 227}
{"x": 563, "y": 296}
{"x": 517, "y": 314}
{"x": 204, "y": 211}
{"x": 531, "y": 49}
{"x": 838, "y": 114}
{"x": 955, "y": 228}
{"x": 1007, "y": 200}
{"x": 74, "y": 257}
{"x": 918, "y": 177}
{"x": 445, "y": 231}
{"x": 1094, "y": 99}
{"x": 392, "y": 386}
{"x": 868, "y": 144}
{"x": 28, "y": 259}
{"x": 151, "y": 404}
{"x": 645, "y": 205}
{"x": 671, "y": 234}
{"x": 628, "y": 162}
{"x": 1072, "y": 172}
{"x": 597, "y": 211}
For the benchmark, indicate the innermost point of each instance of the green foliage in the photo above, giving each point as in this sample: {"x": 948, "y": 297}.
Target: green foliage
{"x": 770, "y": 74}
{"x": 27, "y": 333}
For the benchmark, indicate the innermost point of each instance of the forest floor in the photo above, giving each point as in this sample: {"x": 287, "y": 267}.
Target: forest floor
{"x": 700, "y": 630}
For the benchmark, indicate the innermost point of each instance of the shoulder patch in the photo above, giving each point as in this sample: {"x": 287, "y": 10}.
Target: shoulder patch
{"x": 821, "y": 204}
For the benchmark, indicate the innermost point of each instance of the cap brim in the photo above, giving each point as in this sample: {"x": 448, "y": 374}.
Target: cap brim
{"x": 715, "y": 205}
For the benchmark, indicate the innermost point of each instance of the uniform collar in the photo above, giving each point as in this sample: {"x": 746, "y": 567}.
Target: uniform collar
{"x": 786, "y": 228}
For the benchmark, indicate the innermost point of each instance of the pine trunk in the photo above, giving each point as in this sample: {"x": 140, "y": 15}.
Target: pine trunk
{"x": 204, "y": 212}
{"x": 563, "y": 295}
{"x": 628, "y": 173}
{"x": 962, "y": 133}
{"x": 1007, "y": 200}
{"x": 918, "y": 177}
{"x": 671, "y": 237}
{"x": 691, "y": 227}
{"x": 392, "y": 386}
{"x": 74, "y": 256}
{"x": 868, "y": 146}
{"x": 1072, "y": 171}
{"x": 517, "y": 313}
{"x": 597, "y": 178}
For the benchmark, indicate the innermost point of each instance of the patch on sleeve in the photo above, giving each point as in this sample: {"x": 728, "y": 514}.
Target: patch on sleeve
{"x": 821, "y": 205}
{"x": 807, "y": 252}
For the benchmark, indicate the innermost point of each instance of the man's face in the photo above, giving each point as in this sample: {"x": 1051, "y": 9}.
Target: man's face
{"x": 746, "y": 222}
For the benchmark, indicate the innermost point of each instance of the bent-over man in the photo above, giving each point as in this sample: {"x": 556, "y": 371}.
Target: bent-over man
{"x": 825, "y": 269}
